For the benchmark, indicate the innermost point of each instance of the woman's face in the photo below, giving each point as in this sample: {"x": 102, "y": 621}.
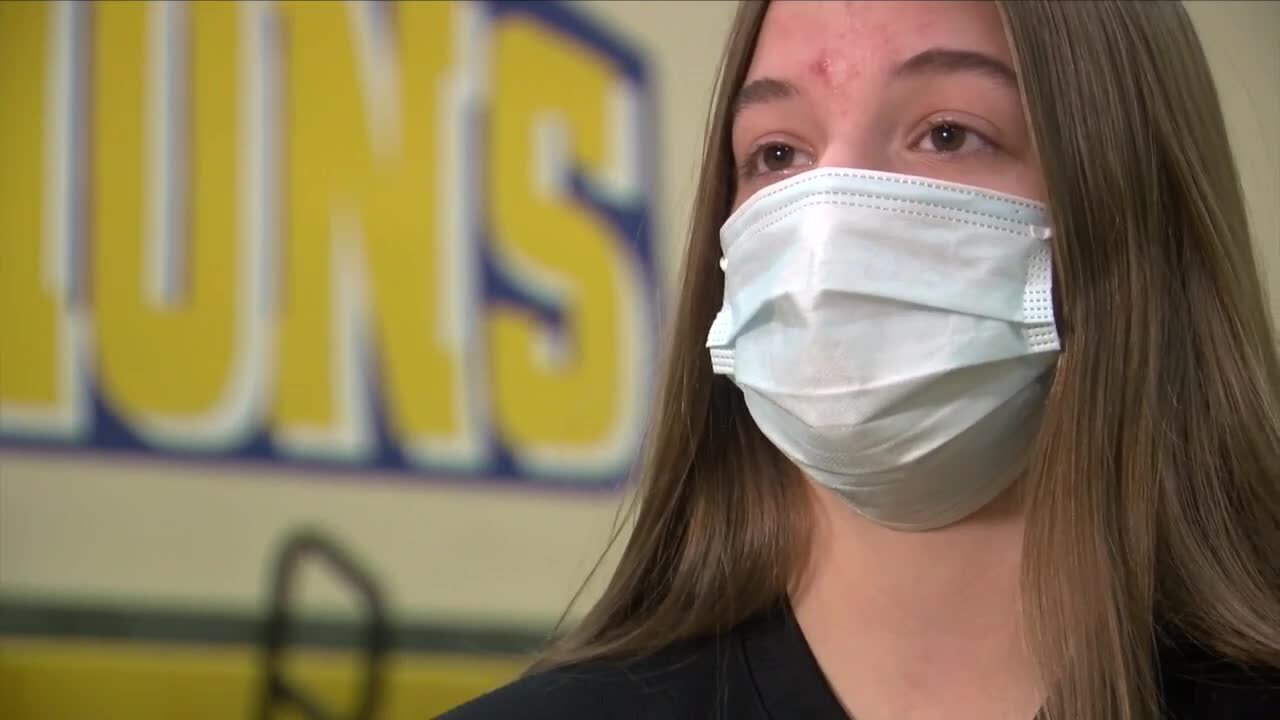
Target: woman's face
{"x": 919, "y": 88}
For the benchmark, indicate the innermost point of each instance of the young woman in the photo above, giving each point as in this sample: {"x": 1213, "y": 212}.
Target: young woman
{"x": 972, "y": 409}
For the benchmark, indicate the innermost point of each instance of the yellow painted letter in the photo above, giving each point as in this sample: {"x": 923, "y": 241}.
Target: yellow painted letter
{"x": 165, "y": 244}
{"x": 366, "y": 149}
{"x": 39, "y": 375}
{"x": 565, "y": 401}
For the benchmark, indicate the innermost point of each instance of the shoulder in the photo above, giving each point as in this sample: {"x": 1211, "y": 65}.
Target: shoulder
{"x": 678, "y": 682}
{"x": 1199, "y": 685}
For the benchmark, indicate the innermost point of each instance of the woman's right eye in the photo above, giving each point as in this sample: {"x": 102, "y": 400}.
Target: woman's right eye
{"x": 773, "y": 157}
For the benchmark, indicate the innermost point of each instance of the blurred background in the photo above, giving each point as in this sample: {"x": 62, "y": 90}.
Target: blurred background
{"x": 327, "y": 332}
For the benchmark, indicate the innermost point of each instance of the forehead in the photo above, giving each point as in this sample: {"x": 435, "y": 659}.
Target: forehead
{"x": 837, "y": 41}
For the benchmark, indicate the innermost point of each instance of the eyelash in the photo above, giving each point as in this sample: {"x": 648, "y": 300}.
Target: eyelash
{"x": 747, "y": 169}
{"x": 935, "y": 123}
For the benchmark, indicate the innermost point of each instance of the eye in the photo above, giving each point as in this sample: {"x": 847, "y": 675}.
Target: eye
{"x": 773, "y": 157}
{"x": 949, "y": 137}
{"x": 777, "y": 156}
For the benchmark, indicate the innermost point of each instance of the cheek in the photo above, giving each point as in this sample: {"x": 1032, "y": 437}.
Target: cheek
{"x": 1030, "y": 182}
{"x": 1018, "y": 178}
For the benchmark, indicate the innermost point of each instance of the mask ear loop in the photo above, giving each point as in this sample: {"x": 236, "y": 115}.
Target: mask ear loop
{"x": 1039, "y": 330}
{"x": 1055, "y": 293}
{"x": 718, "y": 338}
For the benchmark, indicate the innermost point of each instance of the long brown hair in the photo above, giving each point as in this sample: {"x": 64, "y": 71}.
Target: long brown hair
{"x": 1153, "y": 501}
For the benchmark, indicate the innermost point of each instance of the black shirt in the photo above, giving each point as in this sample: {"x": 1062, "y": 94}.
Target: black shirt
{"x": 763, "y": 670}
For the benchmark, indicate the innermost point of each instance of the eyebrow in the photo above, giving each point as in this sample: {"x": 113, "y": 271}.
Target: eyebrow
{"x": 761, "y": 91}
{"x": 946, "y": 60}
{"x": 931, "y": 61}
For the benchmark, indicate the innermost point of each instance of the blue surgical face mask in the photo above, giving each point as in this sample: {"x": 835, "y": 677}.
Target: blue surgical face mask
{"x": 892, "y": 335}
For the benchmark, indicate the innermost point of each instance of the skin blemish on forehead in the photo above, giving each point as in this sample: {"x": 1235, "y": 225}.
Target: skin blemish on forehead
{"x": 831, "y": 68}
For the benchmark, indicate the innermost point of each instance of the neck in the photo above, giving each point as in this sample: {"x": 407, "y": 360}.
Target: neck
{"x": 917, "y": 625}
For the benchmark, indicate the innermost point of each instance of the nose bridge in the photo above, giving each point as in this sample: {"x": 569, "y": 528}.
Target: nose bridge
{"x": 850, "y": 148}
{"x": 806, "y": 265}
{"x": 852, "y": 140}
